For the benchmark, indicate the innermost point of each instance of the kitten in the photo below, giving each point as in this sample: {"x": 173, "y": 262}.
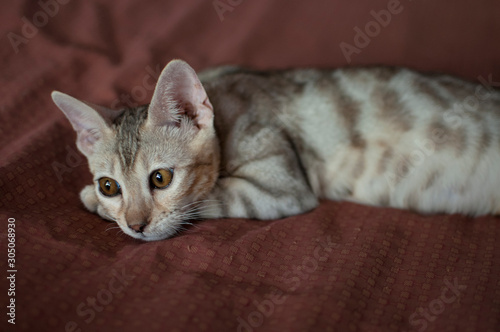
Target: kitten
{"x": 266, "y": 145}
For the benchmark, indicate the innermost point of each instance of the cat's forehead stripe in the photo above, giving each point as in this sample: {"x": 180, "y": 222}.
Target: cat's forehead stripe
{"x": 128, "y": 135}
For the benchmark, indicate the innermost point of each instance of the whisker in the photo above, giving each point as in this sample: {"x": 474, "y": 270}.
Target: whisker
{"x": 110, "y": 228}
{"x": 120, "y": 233}
{"x": 190, "y": 217}
{"x": 109, "y": 217}
{"x": 203, "y": 207}
{"x": 192, "y": 225}
{"x": 193, "y": 212}
{"x": 200, "y": 202}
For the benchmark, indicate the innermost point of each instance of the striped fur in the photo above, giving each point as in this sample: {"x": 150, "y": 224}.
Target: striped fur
{"x": 278, "y": 141}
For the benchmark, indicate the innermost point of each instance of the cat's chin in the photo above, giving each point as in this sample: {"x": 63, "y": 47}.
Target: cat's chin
{"x": 151, "y": 237}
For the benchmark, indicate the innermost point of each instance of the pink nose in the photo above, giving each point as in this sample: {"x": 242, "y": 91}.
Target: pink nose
{"x": 138, "y": 228}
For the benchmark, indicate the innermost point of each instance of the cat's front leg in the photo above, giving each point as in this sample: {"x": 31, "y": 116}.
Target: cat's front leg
{"x": 240, "y": 197}
{"x": 88, "y": 197}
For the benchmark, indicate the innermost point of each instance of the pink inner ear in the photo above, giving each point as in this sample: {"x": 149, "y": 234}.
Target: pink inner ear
{"x": 206, "y": 114}
{"x": 87, "y": 139}
{"x": 91, "y": 136}
{"x": 179, "y": 92}
{"x": 85, "y": 119}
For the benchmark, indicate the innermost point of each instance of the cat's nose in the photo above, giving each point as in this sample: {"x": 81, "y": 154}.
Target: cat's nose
{"x": 139, "y": 227}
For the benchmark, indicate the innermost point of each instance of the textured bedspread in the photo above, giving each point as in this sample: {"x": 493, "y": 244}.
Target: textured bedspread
{"x": 341, "y": 267}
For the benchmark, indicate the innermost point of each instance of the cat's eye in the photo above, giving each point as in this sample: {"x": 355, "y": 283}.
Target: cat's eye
{"x": 109, "y": 187}
{"x": 161, "y": 178}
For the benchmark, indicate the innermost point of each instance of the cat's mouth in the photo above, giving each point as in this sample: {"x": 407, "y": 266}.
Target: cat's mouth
{"x": 148, "y": 235}
{"x": 162, "y": 229}
{"x": 151, "y": 237}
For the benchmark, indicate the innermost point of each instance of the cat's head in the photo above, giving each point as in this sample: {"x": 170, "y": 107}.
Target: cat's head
{"x": 150, "y": 165}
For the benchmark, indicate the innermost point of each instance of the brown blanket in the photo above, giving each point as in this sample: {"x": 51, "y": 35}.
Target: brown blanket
{"x": 341, "y": 267}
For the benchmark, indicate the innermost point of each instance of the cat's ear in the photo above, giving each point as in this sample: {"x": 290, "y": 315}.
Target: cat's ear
{"x": 179, "y": 92}
{"x": 91, "y": 122}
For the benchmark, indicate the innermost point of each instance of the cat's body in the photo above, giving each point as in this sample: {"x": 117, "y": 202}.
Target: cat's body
{"x": 380, "y": 136}
{"x": 269, "y": 144}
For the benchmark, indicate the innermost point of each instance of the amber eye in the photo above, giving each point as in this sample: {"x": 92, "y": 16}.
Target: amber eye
{"x": 109, "y": 187}
{"x": 161, "y": 178}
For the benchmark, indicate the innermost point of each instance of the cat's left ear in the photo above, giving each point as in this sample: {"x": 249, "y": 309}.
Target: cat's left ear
{"x": 91, "y": 122}
{"x": 179, "y": 92}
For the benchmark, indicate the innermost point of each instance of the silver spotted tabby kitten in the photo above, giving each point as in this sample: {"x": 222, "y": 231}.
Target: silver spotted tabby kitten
{"x": 265, "y": 145}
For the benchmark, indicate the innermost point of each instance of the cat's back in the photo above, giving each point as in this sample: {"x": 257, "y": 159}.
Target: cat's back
{"x": 392, "y": 136}
{"x": 247, "y": 101}
{"x": 378, "y": 135}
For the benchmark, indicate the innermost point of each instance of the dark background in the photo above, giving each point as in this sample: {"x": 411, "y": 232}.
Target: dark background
{"x": 381, "y": 264}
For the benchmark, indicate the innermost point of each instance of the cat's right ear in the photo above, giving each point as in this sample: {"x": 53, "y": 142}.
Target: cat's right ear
{"x": 178, "y": 93}
{"x": 91, "y": 122}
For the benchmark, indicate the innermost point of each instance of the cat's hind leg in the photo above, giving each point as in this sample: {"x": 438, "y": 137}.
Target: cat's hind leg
{"x": 263, "y": 177}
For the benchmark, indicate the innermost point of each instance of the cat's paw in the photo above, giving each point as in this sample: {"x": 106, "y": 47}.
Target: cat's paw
{"x": 89, "y": 198}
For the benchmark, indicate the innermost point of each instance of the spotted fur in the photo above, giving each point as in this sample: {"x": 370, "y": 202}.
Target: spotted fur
{"x": 268, "y": 145}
